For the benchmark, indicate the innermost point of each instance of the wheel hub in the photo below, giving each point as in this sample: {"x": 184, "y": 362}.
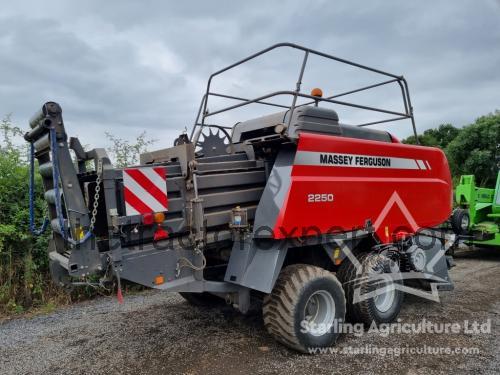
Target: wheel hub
{"x": 385, "y": 299}
{"x": 319, "y": 312}
{"x": 464, "y": 223}
{"x": 385, "y": 295}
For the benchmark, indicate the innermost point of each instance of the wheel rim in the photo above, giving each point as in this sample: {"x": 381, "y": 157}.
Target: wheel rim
{"x": 319, "y": 312}
{"x": 464, "y": 223}
{"x": 419, "y": 260}
{"x": 385, "y": 300}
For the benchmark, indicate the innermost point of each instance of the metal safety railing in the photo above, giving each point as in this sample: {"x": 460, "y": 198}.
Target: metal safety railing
{"x": 203, "y": 112}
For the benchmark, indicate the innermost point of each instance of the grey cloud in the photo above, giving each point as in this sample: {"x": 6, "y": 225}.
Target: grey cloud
{"x": 127, "y": 66}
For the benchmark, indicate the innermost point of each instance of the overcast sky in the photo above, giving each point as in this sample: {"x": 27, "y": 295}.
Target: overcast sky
{"x": 128, "y": 66}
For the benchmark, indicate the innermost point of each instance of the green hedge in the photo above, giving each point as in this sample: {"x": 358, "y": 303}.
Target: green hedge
{"x": 24, "y": 280}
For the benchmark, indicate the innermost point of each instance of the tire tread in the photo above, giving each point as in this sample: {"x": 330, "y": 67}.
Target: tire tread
{"x": 279, "y": 315}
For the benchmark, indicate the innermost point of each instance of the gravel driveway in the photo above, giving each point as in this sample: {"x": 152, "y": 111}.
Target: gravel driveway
{"x": 155, "y": 332}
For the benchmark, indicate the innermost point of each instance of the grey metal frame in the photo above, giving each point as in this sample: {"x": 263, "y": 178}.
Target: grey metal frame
{"x": 400, "y": 80}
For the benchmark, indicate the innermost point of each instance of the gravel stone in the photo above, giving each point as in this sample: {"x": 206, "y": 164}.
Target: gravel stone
{"x": 156, "y": 332}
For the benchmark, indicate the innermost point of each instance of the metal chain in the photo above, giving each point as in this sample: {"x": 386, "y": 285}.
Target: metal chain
{"x": 96, "y": 195}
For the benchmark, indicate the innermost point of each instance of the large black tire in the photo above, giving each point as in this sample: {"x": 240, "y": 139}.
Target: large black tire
{"x": 368, "y": 310}
{"x": 202, "y": 299}
{"x": 460, "y": 221}
{"x": 303, "y": 296}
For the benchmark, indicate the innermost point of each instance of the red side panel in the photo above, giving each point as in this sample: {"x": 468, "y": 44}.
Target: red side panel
{"x": 339, "y": 183}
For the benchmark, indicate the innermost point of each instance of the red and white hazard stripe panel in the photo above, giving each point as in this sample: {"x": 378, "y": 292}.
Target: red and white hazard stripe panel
{"x": 145, "y": 190}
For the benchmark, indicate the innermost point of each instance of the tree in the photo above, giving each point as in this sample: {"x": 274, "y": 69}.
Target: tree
{"x": 474, "y": 149}
{"x": 439, "y": 137}
{"x": 125, "y": 153}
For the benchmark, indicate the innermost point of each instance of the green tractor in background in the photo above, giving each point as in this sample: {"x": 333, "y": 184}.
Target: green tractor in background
{"x": 477, "y": 217}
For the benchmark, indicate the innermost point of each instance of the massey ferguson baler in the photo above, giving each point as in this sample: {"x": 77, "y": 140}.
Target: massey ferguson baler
{"x": 317, "y": 220}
